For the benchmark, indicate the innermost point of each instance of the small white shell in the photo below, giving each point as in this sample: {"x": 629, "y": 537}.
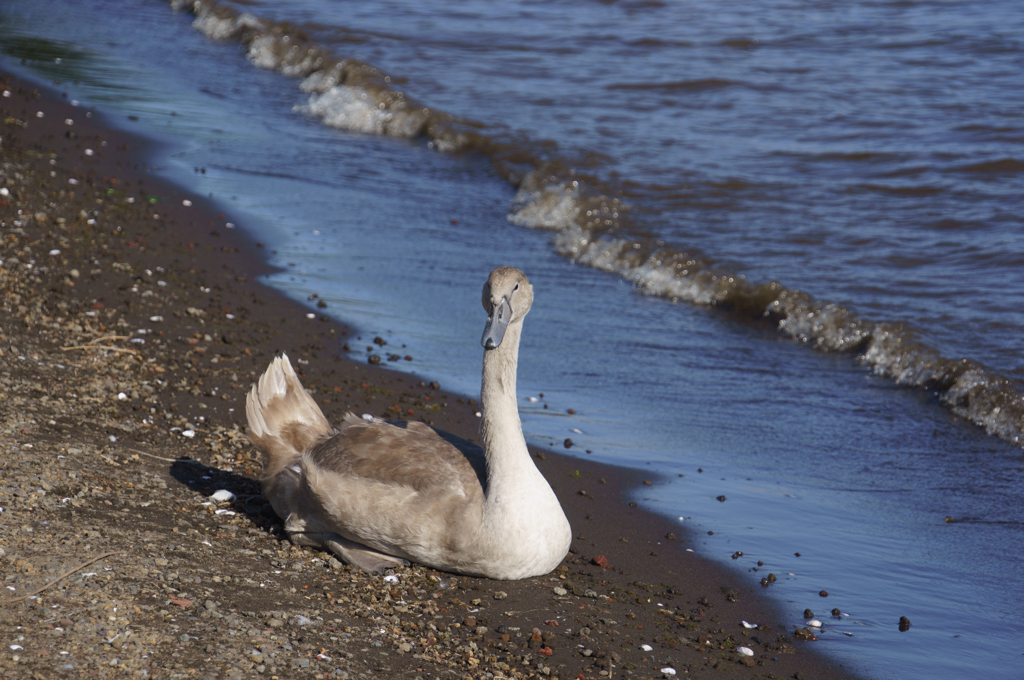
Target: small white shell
{"x": 532, "y": 400}
{"x": 187, "y": 203}
{"x": 188, "y": 433}
{"x": 311, "y": 316}
{"x": 223, "y": 496}
{"x": 745, "y": 651}
{"x": 749, "y": 625}
{"x": 391, "y": 578}
{"x": 814, "y": 623}
{"x": 668, "y": 671}
{"x": 647, "y": 648}
{"x": 121, "y": 396}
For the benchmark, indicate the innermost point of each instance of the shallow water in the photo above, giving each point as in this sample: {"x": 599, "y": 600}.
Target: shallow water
{"x": 868, "y": 154}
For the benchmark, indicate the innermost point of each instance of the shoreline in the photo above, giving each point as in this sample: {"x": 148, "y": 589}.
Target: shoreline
{"x": 101, "y": 288}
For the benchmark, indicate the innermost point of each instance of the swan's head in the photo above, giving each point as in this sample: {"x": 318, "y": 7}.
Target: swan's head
{"x": 507, "y": 298}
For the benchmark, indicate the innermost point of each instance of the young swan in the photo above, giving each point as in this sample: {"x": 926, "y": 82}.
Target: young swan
{"x": 379, "y": 493}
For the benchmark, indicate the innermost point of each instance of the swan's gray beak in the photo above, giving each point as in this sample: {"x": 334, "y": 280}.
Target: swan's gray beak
{"x": 497, "y": 322}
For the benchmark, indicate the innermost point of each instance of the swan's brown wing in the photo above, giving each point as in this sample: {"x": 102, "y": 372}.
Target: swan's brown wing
{"x": 409, "y": 454}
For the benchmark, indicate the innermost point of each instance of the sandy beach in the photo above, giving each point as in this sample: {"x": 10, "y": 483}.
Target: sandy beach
{"x": 132, "y": 327}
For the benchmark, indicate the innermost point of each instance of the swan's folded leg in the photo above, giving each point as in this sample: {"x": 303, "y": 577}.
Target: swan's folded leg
{"x": 350, "y": 552}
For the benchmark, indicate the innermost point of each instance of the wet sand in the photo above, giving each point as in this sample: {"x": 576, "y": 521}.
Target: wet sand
{"x": 114, "y": 445}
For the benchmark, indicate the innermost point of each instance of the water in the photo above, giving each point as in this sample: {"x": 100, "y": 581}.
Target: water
{"x": 700, "y": 194}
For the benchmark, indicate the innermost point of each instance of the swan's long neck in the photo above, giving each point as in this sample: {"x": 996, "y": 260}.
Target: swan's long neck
{"x": 508, "y": 460}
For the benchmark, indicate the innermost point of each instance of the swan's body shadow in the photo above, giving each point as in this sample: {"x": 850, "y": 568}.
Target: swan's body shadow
{"x": 249, "y": 499}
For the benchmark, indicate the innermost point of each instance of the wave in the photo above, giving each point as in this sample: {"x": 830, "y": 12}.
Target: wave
{"x": 702, "y": 84}
{"x": 1002, "y": 166}
{"x": 592, "y": 226}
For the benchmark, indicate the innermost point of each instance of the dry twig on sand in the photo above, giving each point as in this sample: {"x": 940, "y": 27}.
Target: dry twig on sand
{"x": 63, "y": 576}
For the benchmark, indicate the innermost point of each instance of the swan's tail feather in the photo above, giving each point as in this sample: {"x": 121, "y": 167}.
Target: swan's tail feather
{"x": 283, "y": 419}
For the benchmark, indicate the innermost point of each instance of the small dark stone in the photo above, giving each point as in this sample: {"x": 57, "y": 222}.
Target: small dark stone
{"x": 670, "y": 536}
{"x": 772, "y": 578}
{"x": 804, "y": 634}
{"x": 764, "y": 582}
{"x": 760, "y": 563}
{"x": 738, "y": 554}
{"x": 823, "y": 593}
{"x": 568, "y": 443}
{"x": 435, "y": 386}
{"x": 321, "y": 304}
{"x": 720, "y": 499}
{"x": 374, "y": 360}
{"x": 380, "y": 341}
{"x": 808, "y": 614}
{"x": 836, "y": 613}
{"x": 904, "y": 624}
{"x": 797, "y": 554}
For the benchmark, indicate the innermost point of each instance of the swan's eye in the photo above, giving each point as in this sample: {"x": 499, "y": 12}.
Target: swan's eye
{"x": 516, "y": 288}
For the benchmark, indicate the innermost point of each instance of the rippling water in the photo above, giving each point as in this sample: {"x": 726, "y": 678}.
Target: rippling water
{"x": 848, "y": 177}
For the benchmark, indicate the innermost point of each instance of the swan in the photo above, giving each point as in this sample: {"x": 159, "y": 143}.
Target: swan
{"x": 381, "y": 494}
